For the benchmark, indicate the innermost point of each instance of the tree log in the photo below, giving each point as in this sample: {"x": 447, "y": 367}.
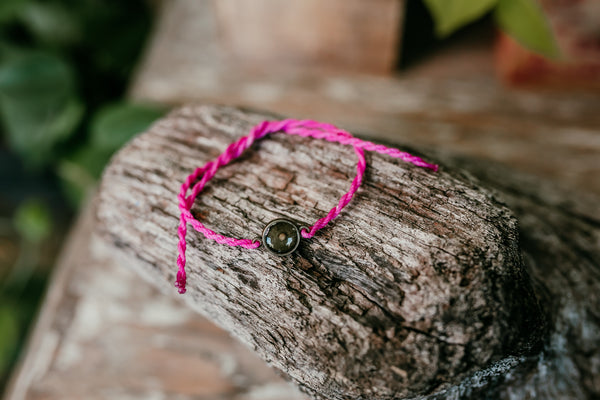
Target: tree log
{"x": 417, "y": 289}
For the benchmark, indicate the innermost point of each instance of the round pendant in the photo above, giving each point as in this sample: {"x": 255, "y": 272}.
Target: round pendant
{"x": 281, "y": 237}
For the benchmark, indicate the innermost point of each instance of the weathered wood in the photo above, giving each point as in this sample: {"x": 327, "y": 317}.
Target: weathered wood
{"x": 341, "y": 35}
{"x": 566, "y": 368}
{"x": 418, "y": 286}
{"x": 450, "y": 101}
{"x": 102, "y": 334}
{"x": 560, "y": 242}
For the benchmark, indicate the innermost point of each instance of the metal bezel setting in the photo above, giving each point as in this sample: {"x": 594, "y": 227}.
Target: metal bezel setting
{"x": 296, "y": 230}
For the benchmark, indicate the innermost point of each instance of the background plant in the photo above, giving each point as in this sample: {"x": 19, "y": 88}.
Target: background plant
{"x": 64, "y": 69}
{"x": 524, "y": 20}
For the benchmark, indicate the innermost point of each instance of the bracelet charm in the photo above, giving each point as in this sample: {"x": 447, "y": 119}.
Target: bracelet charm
{"x": 281, "y": 237}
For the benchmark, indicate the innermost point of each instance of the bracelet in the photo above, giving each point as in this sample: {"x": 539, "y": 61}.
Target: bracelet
{"x": 281, "y": 236}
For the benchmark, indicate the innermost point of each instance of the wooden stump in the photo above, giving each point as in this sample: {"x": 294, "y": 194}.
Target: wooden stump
{"x": 418, "y": 288}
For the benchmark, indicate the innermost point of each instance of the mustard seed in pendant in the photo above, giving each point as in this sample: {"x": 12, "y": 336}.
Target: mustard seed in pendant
{"x": 281, "y": 237}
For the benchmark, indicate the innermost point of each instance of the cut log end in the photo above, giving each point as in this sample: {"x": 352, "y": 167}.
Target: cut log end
{"x": 415, "y": 287}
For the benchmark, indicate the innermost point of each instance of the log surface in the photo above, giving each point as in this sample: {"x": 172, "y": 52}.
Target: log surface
{"x": 101, "y": 335}
{"x": 451, "y": 100}
{"x": 415, "y": 288}
{"x": 560, "y": 242}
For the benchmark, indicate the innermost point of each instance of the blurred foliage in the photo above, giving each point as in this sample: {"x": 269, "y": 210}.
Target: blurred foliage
{"x": 61, "y": 62}
{"x": 9, "y": 335}
{"x": 33, "y": 222}
{"x": 451, "y": 15}
{"x": 113, "y": 124}
{"x": 37, "y": 104}
{"x": 110, "y": 127}
{"x": 524, "y": 20}
{"x": 64, "y": 69}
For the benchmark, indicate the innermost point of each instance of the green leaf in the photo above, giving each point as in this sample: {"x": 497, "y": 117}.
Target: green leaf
{"x": 35, "y": 73}
{"x": 91, "y": 159}
{"x": 449, "y": 15}
{"x": 9, "y": 49}
{"x": 32, "y": 220}
{"x": 66, "y": 121}
{"x": 524, "y": 20}
{"x": 114, "y": 125}
{"x": 76, "y": 181}
{"x": 51, "y": 23}
{"x": 38, "y": 105}
{"x": 80, "y": 170}
{"x": 110, "y": 128}
{"x": 9, "y": 337}
{"x": 9, "y": 9}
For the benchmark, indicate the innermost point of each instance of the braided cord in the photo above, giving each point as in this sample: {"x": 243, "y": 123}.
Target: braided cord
{"x": 305, "y": 128}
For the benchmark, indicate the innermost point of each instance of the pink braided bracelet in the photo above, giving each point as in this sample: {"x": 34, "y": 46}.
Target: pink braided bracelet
{"x": 280, "y": 236}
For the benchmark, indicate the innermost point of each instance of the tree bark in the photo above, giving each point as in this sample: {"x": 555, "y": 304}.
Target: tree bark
{"x": 419, "y": 287}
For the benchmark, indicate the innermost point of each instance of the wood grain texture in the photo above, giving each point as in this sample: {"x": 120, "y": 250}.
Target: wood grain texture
{"x": 104, "y": 335}
{"x": 414, "y": 288}
{"x": 341, "y": 35}
{"x": 450, "y": 101}
{"x": 560, "y": 241}
{"x": 559, "y": 238}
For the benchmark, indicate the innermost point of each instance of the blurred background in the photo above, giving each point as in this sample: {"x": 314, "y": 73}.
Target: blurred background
{"x": 79, "y": 78}
{"x": 64, "y": 70}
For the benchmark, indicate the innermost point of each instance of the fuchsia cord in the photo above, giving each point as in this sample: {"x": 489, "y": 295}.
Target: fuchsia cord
{"x": 306, "y": 128}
